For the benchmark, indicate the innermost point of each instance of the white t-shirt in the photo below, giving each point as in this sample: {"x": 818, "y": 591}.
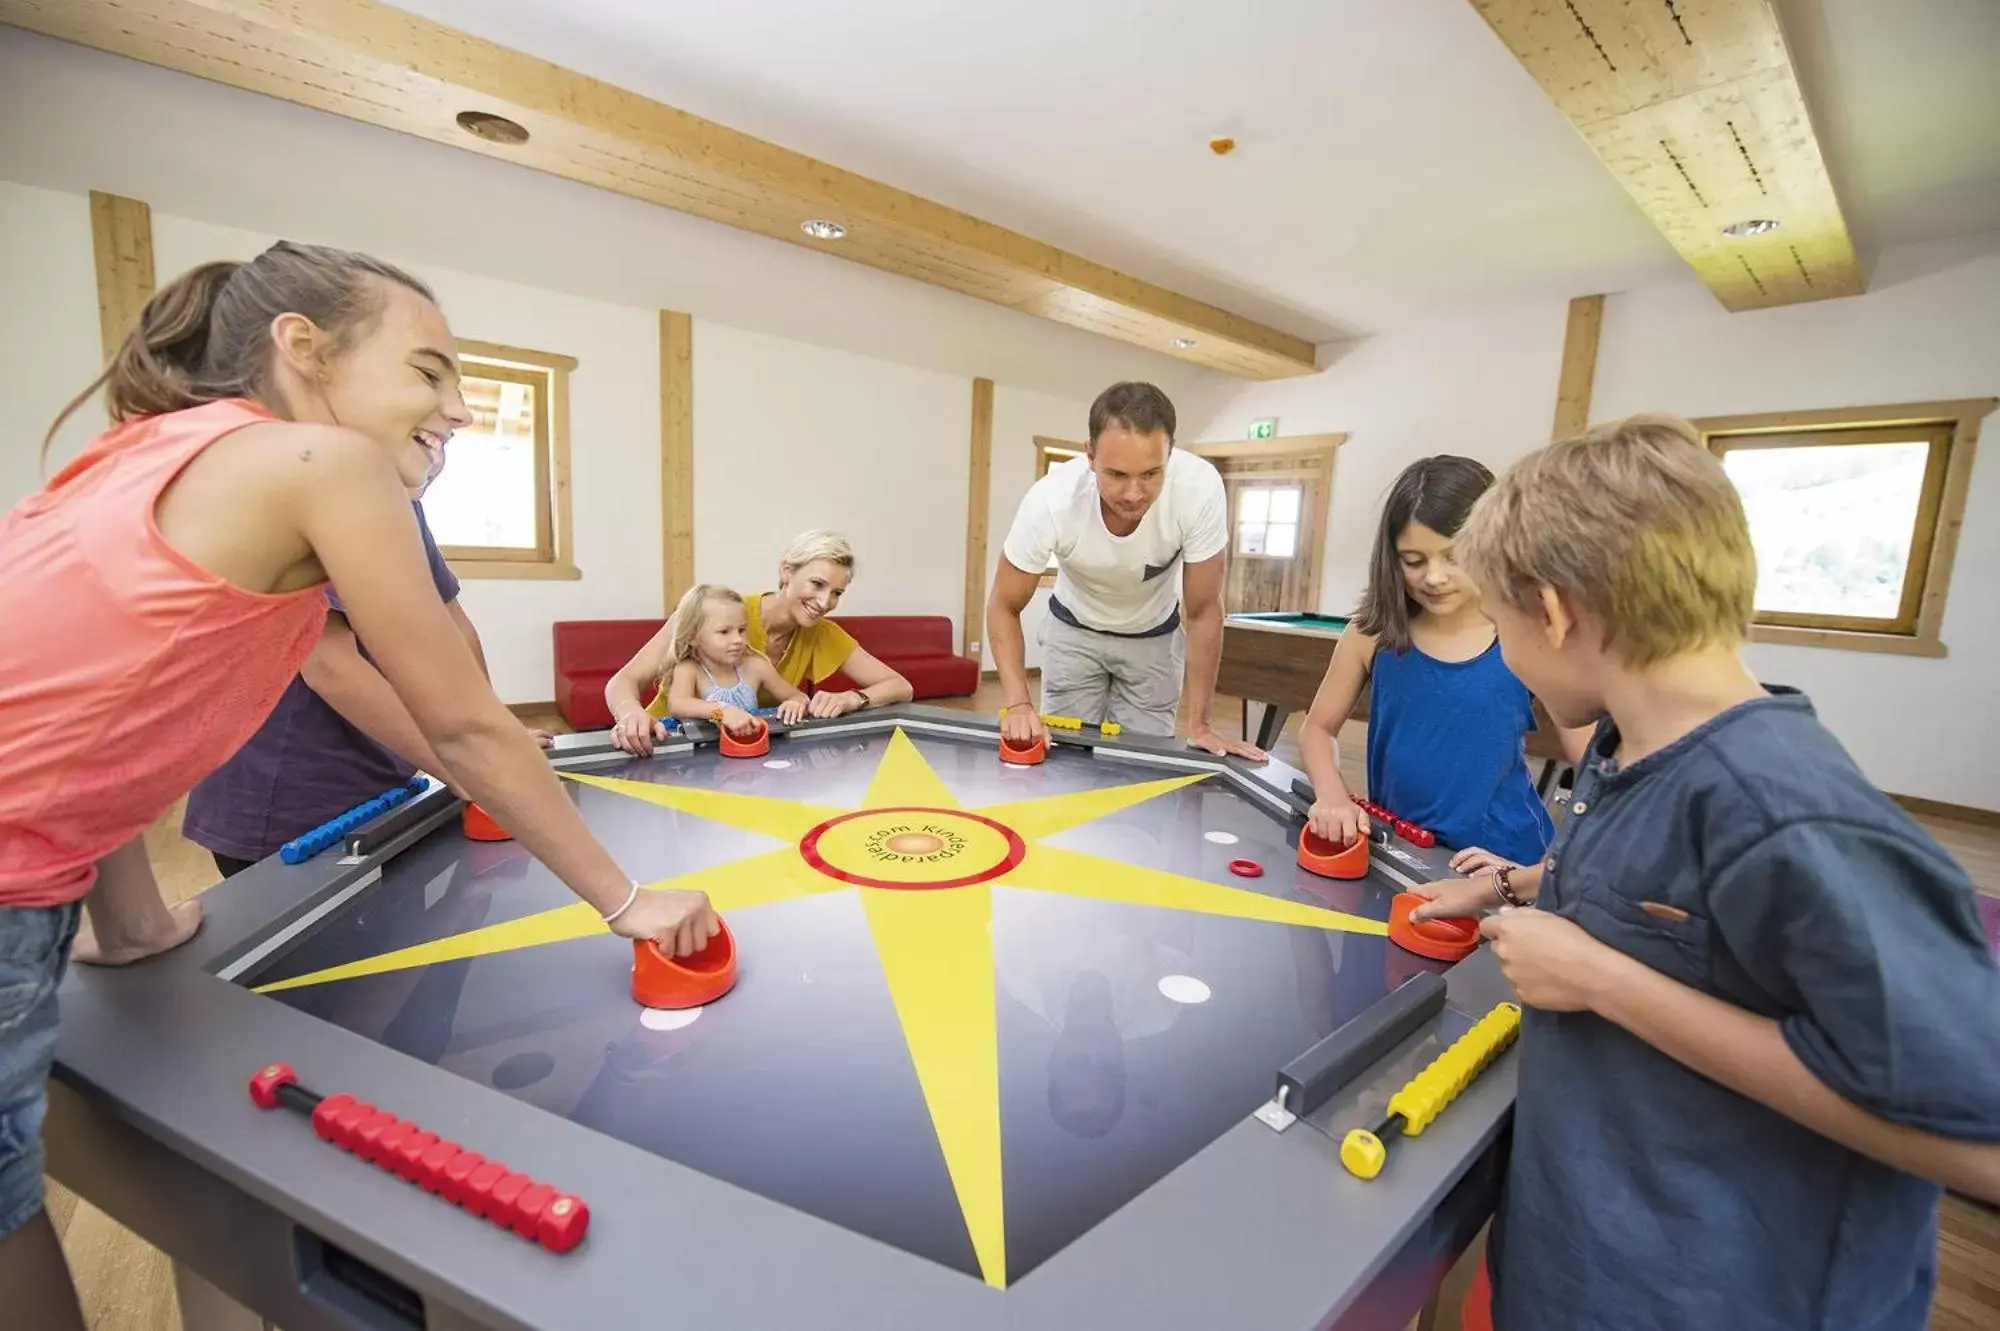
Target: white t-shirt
{"x": 1120, "y": 584}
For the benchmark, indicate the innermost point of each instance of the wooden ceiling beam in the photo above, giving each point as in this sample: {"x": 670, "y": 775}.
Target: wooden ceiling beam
{"x": 1696, "y": 108}
{"x": 369, "y": 62}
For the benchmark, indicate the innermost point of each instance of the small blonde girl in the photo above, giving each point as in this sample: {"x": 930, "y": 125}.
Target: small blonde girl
{"x": 714, "y": 675}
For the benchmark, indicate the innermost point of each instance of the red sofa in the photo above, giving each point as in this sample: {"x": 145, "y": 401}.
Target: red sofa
{"x": 917, "y": 647}
{"x": 588, "y": 652}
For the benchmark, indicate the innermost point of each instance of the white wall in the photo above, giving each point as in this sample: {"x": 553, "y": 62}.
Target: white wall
{"x": 614, "y": 446}
{"x": 49, "y": 345}
{"x": 1018, "y": 416}
{"x": 790, "y": 436}
{"x": 1928, "y": 328}
{"x": 1481, "y": 387}
{"x": 870, "y": 437}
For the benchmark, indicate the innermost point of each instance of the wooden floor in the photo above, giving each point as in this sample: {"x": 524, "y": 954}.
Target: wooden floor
{"x": 126, "y": 1284}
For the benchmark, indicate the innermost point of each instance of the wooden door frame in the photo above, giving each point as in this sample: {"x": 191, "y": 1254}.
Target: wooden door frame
{"x": 1321, "y": 447}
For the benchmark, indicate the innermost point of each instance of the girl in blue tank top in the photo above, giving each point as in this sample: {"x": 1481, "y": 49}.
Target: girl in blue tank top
{"x": 715, "y": 676}
{"x": 1446, "y": 718}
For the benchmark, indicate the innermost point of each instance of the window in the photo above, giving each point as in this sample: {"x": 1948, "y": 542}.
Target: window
{"x": 1267, "y": 521}
{"x": 500, "y": 507}
{"x": 1854, "y": 515}
{"x": 1050, "y": 453}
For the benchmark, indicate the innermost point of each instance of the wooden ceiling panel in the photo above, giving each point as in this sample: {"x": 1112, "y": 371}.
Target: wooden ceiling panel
{"x": 369, "y": 62}
{"x": 1695, "y": 107}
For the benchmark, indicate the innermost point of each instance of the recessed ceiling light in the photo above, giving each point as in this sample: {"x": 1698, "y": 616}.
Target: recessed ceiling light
{"x": 821, "y": 229}
{"x": 1183, "y": 343}
{"x": 492, "y": 128}
{"x": 1755, "y": 226}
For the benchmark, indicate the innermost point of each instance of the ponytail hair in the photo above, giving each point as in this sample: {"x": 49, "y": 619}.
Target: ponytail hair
{"x": 206, "y": 335}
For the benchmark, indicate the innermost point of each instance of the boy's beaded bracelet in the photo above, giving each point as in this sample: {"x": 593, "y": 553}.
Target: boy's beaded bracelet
{"x": 630, "y": 897}
{"x": 1504, "y": 889}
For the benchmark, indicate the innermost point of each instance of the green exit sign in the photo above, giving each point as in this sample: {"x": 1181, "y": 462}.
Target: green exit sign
{"x": 1264, "y": 429}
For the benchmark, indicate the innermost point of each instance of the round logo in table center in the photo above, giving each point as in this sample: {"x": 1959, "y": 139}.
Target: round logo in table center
{"x": 912, "y": 849}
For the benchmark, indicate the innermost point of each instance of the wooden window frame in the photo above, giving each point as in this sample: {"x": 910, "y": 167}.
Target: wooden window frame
{"x": 553, "y": 558}
{"x": 1049, "y": 452}
{"x": 1952, "y": 429}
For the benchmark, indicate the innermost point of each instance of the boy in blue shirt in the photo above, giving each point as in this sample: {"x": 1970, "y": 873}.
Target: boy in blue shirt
{"x": 1763, "y": 1025}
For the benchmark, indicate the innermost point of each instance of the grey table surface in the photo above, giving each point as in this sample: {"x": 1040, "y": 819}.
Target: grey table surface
{"x": 1254, "y": 1229}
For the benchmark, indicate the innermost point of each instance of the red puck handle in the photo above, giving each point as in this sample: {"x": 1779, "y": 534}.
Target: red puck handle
{"x": 264, "y": 1085}
{"x": 487, "y": 1188}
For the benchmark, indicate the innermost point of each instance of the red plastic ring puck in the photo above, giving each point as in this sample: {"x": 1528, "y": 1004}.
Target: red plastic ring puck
{"x": 1246, "y": 868}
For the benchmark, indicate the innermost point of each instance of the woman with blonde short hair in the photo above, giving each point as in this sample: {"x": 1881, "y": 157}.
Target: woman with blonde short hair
{"x": 790, "y": 626}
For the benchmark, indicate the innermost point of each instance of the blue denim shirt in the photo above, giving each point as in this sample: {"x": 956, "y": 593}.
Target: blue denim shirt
{"x": 1750, "y": 860}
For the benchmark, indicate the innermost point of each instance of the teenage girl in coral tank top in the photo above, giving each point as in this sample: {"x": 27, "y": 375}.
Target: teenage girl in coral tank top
{"x": 159, "y": 594}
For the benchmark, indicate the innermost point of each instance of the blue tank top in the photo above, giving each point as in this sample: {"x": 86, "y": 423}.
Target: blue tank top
{"x": 1445, "y": 751}
{"x": 741, "y": 694}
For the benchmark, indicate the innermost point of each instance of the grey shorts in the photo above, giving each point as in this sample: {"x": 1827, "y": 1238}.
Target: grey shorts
{"x": 1098, "y": 677}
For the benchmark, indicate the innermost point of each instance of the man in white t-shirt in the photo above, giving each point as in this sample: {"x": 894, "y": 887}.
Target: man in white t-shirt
{"x": 1138, "y": 532}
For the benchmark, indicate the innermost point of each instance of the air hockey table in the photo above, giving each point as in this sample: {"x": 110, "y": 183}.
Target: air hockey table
{"x": 1002, "y": 1054}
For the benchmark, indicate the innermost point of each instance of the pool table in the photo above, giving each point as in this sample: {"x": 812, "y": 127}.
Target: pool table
{"x": 1277, "y": 660}
{"x": 1002, "y": 1053}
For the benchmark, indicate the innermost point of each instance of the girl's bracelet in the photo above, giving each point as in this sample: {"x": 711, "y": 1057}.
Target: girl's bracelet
{"x": 630, "y": 897}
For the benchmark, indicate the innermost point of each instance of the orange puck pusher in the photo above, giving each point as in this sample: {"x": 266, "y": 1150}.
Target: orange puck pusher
{"x": 752, "y": 746}
{"x": 1330, "y": 859}
{"x": 480, "y": 825}
{"x": 1440, "y": 940}
{"x": 1024, "y": 755}
{"x": 661, "y": 981}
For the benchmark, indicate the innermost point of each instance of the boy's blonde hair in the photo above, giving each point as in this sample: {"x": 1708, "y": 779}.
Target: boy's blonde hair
{"x": 817, "y": 544}
{"x": 691, "y": 615}
{"x": 1637, "y": 522}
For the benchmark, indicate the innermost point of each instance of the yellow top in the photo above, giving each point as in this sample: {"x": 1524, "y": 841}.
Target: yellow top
{"x": 814, "y": 652}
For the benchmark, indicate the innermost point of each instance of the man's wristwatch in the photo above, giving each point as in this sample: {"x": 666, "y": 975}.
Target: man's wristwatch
{"x": 1503, "y": 886}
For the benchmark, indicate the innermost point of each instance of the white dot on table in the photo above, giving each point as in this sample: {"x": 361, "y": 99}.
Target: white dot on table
{"x": 778, "y": 764}
{"x": 1184, "y": 989}
{"x": 1222, "y": 838}
{"x": 669, "y": 1019}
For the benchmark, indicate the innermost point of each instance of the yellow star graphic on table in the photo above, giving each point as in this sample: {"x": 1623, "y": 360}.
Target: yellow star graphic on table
{"x": 925, "y": 867}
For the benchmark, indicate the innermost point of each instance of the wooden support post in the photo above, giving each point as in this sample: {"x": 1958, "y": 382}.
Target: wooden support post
{"x": 1579, "y": 366}
{"x": 121, "y": 235}
{"x": 978, "y": 493}
{"x": 676, "y": 455}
